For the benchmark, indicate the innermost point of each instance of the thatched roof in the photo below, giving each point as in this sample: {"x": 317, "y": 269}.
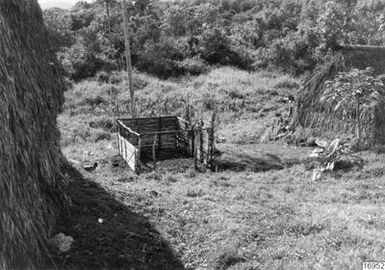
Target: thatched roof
{"x": 310, "y": 112}
{"x": 362, "y": 56}
{"x": 31, "y": 95}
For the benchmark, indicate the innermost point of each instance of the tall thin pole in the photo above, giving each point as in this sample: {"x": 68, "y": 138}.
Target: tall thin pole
{"x": 108, "y": 17}
{"x": 128, "y": 58}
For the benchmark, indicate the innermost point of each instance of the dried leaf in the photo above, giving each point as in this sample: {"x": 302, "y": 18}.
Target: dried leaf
{"x": 333, "y": 147}
{"x": 322, "y": 144}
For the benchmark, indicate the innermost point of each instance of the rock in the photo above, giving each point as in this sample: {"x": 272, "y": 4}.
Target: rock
{"x": 74, "y": 161}
{"x": 154, "y": 193}
{"x": 103, "y": 136}
{"x": 220, "y": 139}
{"x": 317, "y": 173}
{"x": 118, "y": 161}
{"x": 62, "y": 242}
{"x": 90, "y": 168}
{"x": 322, "y": 144}
{"x": 311, "y": 142}
{"x": 344, "y": 165}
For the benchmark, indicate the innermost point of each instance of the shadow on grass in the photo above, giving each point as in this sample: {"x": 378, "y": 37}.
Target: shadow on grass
{"x": 259, "y": 157}
{"x": 236, "y": 161}
{"x": 107, "y": 234}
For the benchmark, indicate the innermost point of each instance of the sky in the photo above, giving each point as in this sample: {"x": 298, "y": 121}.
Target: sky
{"x": 57, "y": 3}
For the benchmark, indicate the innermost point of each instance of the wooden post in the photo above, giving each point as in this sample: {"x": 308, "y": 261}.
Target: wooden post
{"x": 159, "y": 129}
{"x": 138, "y": 163}
{"x": 191, "y": 140}
{"x": 195, "y": 148}
{"x": 358, "y": 115}
{"x": 154, "y": 151}
{"x": 118, "y": 135}
{"x": 187, "y": 112}
{"x": 212, "y": 136}
{"x": 108, "y": 17}
{"x": 201, "y": 156}
{"x": 128, "y": 58}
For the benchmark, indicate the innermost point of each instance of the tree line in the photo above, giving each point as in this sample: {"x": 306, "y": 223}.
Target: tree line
{"x": 172, "y": 38}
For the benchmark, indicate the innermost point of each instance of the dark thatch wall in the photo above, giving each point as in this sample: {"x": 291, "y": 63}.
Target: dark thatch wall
{"x": 362, "y": 57}
{"x": 31, "y": 96}
{"x": 311, "y": 112}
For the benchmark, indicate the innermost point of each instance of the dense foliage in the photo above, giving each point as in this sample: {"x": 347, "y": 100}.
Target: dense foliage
{"x": 356, "y": 93}
{"x": 178, "y": 37}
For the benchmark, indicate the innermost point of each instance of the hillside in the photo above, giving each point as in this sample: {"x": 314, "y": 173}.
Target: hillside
{"x": 175, "y": 38}
{"x": 242, "y": 219}
{"x": 66, "y": 4}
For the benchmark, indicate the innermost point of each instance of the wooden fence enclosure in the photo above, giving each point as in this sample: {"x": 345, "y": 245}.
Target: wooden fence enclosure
{"x": 143, "y": 141}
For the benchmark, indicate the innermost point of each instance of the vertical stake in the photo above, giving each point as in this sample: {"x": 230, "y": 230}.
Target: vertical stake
{"x": 138, "y": 168}
{"x": 188, "y": 116}
{"x": 108, "y": 17}
{"x": 128, "y": 58}
{"x": 195, "y": 148}
{"x": 154, "y": 151}
{"x": 211, "y": 131}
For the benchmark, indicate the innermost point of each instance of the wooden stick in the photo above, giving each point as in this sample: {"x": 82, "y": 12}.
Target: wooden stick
{"x": 170, "y": 132}
{"x": 108, "y": 17}
{"x": 130, "y": 130}
{"x": 201, "y": 155}
{"x": 128, "y": 58}
{"x": 154, "y": 151}
{"x": 212, "y": 133}
{"x": 145, "y": 118}
{"x": 139, "y": 163}
{"x": 195, "y": 149}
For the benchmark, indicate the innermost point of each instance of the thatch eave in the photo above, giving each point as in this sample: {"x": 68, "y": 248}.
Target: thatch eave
{"x": 311, "y": 112}
{"x": 367, "y": 48}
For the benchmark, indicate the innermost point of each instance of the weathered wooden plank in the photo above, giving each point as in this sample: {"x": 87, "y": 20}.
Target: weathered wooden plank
{"x": 165, "y": 145}
{"x": 150, "y": 118}
{"x": 138, "y": 162}
{"x": 186, "y": 149}
{"x": 128, "y": 152}
{"x": 154, "y": 151}
{"x": 120, "y": 122}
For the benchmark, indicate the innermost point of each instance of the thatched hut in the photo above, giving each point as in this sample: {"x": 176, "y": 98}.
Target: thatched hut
{"x": 312, "y": 113}
{"x": 31, "y": 96}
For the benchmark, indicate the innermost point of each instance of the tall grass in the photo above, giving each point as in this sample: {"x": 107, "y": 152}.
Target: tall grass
{"x": 230, "y": 89}
{"x": 239, "y": 97}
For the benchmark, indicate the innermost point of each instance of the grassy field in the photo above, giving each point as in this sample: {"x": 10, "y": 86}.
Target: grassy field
{"x": 277, "y": 219}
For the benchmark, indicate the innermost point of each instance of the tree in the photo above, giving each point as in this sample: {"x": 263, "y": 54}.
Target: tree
{"x": 108, "y": 4}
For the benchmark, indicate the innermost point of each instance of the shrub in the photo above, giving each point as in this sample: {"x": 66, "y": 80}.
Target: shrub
{"x": 94, "y": 101}
{"x": 193, "y": 66}
{"x": 102, "y": 77}
{"x": 116, "y": 77}
{"x": 216, "y": 48}
{"x": 288, "y": 83}
{"x": 160, "y": 59}
{"x": 355, "y": 94}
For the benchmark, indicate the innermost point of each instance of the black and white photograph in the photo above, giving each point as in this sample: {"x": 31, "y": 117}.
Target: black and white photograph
{"x": 192, "y": 135}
